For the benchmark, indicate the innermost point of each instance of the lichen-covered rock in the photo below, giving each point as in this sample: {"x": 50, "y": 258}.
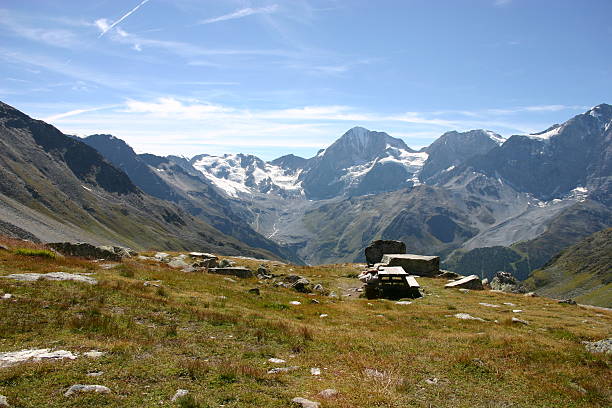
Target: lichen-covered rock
{"x": 419, "y": 265}
{"x": 375, "y": 251}
{"x": 78, "y": 388}
{"x": 506, "y": 282}
{"x": 89, "y": 251}
{"x": 238, "y": 271}
{"x": 302, "y": 285}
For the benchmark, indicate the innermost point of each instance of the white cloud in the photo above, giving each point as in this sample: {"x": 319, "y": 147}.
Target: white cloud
{"x": 248, "y": 11}
{"x": 74, "y": 112}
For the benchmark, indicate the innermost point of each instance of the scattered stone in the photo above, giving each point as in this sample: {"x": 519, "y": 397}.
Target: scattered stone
{"x": 318, "y": 288}
{"x": 305, "y": 403}
{"x": 488, "y": 305}
{"x": 77, "y": 388}
{"x": 328, "y": 393}
{"x": 179, "y": 394}
{"x": 54, "y": 276}
{"x": 530, "y": 294}
{"x": 462, "y": 290}
{"x": 230, "y": 280}
{"x": 432, "y": 381}
{"x": 466, "y": 316}
{"x": 372, "y": 373}
{"x": 375, "y": 251}
{"x": 177, "y": 262}
{"x": 3, "y": 400}
{"x": 302, "y": 285}
{"x": 469, "y": 282}
{"x": 202, "y": 255}
{"x": 568, "y": 301}
{"x": 333, "y": 295}
{"x": 315, "y": 371}
{"x": 577, "y": 387}
{"x": 205, "y": 263}
{"x": 519, "y": 321}
{"x": 517, "y": 311}
{"x": 93, "y": 354}
{"x": 509, "y": 304}
{"x": 322, "y": 315}
{"x": 238, "y": 271}
{"x": 85, "y": 250}
{"x": 107, "y": 266}
{"x": 418, "y": 265}
{"x": 485, "y": 281}
{"x": 156, "y": 283}
{"x": 6, "y": 296}
{"x": 146, "y": 258}
{"x": 314, "y": 301}
{"x": 276, "y": 360}
{"x": 295, "y": 302}
{"x": 254, "y": 291}
{"x": 3, "y": 247}
{"x": 403, "y": 302}
{"x": 506, "y": 282}
{"x": 601, "y": 346}
{"x": 95, "y": 374}
{"x": 279, "y": 370}
{"x": 162, "y": 256}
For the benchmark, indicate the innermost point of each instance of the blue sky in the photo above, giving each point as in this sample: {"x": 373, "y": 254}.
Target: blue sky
{"x": 276, "y": 77}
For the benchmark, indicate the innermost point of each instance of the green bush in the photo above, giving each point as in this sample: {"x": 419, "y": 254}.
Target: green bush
{"x": 43, "y": 253}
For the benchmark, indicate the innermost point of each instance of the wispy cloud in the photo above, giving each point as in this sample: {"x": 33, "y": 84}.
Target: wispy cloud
{"x": 104, "y": 26}
{"x": 75, "y": 112}
{"x": 500, "y": 3}
{"x": 245, "y": 12}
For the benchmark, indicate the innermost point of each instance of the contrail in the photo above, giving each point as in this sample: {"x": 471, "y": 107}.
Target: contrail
{"x": 123, "y": 18}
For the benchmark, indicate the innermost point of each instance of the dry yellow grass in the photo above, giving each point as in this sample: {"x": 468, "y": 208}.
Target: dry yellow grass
{"x": 208, "y": 335}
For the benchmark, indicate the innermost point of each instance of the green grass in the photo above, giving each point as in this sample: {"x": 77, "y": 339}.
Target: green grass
{"x": 43, "y": 253}
{"x": 202, "y": 333}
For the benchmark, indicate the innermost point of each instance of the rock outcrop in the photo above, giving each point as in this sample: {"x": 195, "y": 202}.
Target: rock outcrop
{"x": 469, "y": 282}
{"x": 419, "y": 265}
{"x": 375, "y": 251}
{"x": 85, "y": 250}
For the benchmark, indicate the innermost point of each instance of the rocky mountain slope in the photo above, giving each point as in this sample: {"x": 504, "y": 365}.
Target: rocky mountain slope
{"x": 178, "y": 182}
{"x": 581, "y": 272}
{"x": 53, "y": 187}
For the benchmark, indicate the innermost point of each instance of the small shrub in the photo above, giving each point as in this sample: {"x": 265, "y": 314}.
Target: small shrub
{"x": 161, "y": 291}
{"x": 188, "y": 401}
{"x": 172, "y": 330}
{"x": 125, "y": 270}
{"x": 42, "y": 253}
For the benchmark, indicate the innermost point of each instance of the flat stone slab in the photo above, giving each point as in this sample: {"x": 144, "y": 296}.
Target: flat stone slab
{"x": 12, "y": 358}
{"x": 419, "y": 265}
{"x": 54, "y": 276}
{"x": 469, "y": 282}
{"x": 237, "y": 271}
{"x": 78, "y": 388}
{"x": 375, "y": 251}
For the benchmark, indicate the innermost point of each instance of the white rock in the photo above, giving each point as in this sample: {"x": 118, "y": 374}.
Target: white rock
{"x": 295, "y": 302}
{"x": 179, "y": 394}
{"x": 54, "y": 276}
{"x": 509, "y": 304}
{"x": 516, "y": 320}
{"x": 95, "y": 374}
{"x": 100, "y": 389}
{"x": 517, "y": 311}
{"x": 17, "y": 357}
{"x": 276, "y": 360}
{"x": 403, "y": 302}
{"x": 156, "y": 283}
{"x": 466, "y": 316}
{"x": 161, "y": 256}
{"x": 488, "y": 305}
{"x": 315, "y": 371}
{"x": 463, "y": 290}
{"x": 282, "y": 370}
{"x": 230, "y": 280}
{"x": 4, "y": 402}
{"x": 372, "y": 373}
{"x": 323, "y": 315}
{"x": 305, "y": 403}
{"x": 432, "y": 381}
{"x": 93, "y": 354}
{"x": 6, "y": 296}
{"x": 328, "y": 393}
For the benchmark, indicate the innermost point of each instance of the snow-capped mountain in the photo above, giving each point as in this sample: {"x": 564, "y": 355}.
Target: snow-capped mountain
{"x": 239, "y": 174}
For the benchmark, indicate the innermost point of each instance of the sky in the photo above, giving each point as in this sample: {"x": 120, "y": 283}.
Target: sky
{"x": 273, "y": 77}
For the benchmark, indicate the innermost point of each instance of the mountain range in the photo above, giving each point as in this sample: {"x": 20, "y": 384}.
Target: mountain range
{"x": 482, "y": 202}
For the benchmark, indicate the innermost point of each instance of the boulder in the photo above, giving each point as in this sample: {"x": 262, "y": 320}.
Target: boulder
{"x": 202, "y": 255}
{"x": 85, "y": 250}
{"x": 53, "y": 276}
{"x": 448, "y": 274}
{"x": 601, "y": 346}
{"x": 302, "y": 285}
{"x": 469, "y": 282}
{"x": 375, "y": 251}
{"x": 205, "y": 263}
{"x": 4, "y": 402}
{"x": 419, "y": 265}
{"x": 506, "y": 282}
{"x": 328, "y": 393}
{"x": 177, "y": 262}
{"x": 226, "y": 263}
{"x": 568, "y": 301}
{"x": 238, "y": 271}
{"x": 292, "y": 278}
{"x": 179, "y": 394}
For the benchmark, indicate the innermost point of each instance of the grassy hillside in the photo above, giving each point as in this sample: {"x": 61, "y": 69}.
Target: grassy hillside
{"x": 582, "y": 271}
{"x": 209, "y": 335}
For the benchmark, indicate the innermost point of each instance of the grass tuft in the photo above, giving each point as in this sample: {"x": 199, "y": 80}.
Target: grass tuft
{"x": 42, "y": 253}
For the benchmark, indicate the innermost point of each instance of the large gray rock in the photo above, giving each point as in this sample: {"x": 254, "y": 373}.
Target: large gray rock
{"x": 506, "y": 282}
{"x": 469, "y": 282}
{"x": 85, "y": 250}
{"x": 54, "y": 276}
{"x": 304, "y": 403}
{"x": 375, "y": 251}
{"x": 238, "y": 271}
{"x": 419, "y": 265}
{"x": 302, "y": 285}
